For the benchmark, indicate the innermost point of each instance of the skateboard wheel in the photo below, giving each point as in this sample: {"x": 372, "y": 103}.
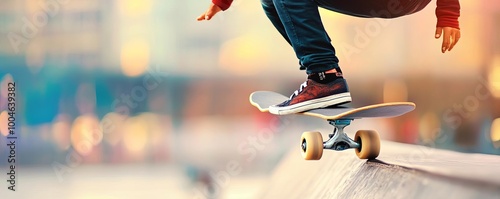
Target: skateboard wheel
{"x": 312, "y": 145}
{"x": 369, "y": 142}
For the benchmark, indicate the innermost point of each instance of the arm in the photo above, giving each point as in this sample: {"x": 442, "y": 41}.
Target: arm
{"x": 223, "y": 4}
{"x": 447, "y": 13}
{"x": 215, "y": 7}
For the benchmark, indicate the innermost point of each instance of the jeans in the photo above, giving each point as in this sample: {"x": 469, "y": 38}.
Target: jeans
{"x": 299, "y": 22}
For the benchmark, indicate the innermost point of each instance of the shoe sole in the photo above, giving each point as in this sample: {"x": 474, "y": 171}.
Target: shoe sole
{"x": 331, "y": 100}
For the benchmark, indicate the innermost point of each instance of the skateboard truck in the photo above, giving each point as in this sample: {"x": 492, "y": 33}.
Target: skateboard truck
{"x": 339, "y": 140}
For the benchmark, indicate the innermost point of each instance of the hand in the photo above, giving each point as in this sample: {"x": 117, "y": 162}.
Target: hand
{"x": 211, "y": 11}
{"x": 450, "y": 37}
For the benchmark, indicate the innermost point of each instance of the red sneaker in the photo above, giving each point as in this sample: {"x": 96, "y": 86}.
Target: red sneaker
{"x": 313, "y": 95}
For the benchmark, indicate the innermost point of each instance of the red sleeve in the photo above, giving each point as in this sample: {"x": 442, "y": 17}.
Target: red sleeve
{"x": 447, "y": 13}
{"x": 223, "y": 4}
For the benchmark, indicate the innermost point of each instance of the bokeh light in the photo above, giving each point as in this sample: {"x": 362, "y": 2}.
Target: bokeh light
{"x": 112, "y": 126}
{"x": 395, "y": 91}
{"x": 32, "y": 6}
{"x": 155, "y": 130}
{"x": 495, "y": 132}
{"x": 85, "y": 134}
{"x": 3, "y": 103}
{"x": 134, "y": 8}
{"x": 4, "y": 129}
{"x": 494, "y": 76}
{"x": 244, "y": 55}
{"x": 135, "y": 57}
{"x": 429, "y": 126}
{"x": 135, "y": 135}
{"x": 61, "y": 129}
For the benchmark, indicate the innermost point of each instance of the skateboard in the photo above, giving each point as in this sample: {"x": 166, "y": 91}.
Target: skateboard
{"x": 366, "y": 143}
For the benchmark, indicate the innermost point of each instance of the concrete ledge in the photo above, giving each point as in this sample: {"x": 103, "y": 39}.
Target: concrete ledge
{"x": 401, "y": 171}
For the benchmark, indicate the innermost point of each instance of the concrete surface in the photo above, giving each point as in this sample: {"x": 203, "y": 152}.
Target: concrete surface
{"x": 401, "y": 171}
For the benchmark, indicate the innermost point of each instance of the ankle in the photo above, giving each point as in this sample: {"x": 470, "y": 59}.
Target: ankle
{"x": 325, "y": 77}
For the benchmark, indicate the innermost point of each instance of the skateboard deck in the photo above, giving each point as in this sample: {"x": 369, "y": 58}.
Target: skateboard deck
{"x": 366, "y": 143}
{"x": 263, "y": 99}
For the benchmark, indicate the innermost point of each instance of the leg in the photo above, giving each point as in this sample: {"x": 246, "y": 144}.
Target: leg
{"x": 305, "y": 32}
{"x": 273, "y": 16}
{"x": 298, "y": 21}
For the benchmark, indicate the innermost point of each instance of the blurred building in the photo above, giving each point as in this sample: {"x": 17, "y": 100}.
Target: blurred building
{"x": 55, "y": 34}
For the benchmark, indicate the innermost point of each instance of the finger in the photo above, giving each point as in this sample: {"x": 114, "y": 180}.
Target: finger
{"x": 210, "y": 14}
{"x": 439, "y": 30}
{"x": 453, "y": 35}
{"x": 446, "y": 41}
{"x": 456, "y": 38}
{"x": 201, "y": 17}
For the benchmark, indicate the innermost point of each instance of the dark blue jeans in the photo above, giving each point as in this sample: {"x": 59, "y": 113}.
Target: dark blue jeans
{"x": 299, "y": 22}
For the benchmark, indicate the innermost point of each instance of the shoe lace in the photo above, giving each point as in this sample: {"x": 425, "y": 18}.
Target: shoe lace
{"x": 301, "y": 88}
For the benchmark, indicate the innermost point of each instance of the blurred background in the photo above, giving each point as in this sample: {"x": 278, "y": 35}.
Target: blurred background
{"x": 135, "y": 98}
